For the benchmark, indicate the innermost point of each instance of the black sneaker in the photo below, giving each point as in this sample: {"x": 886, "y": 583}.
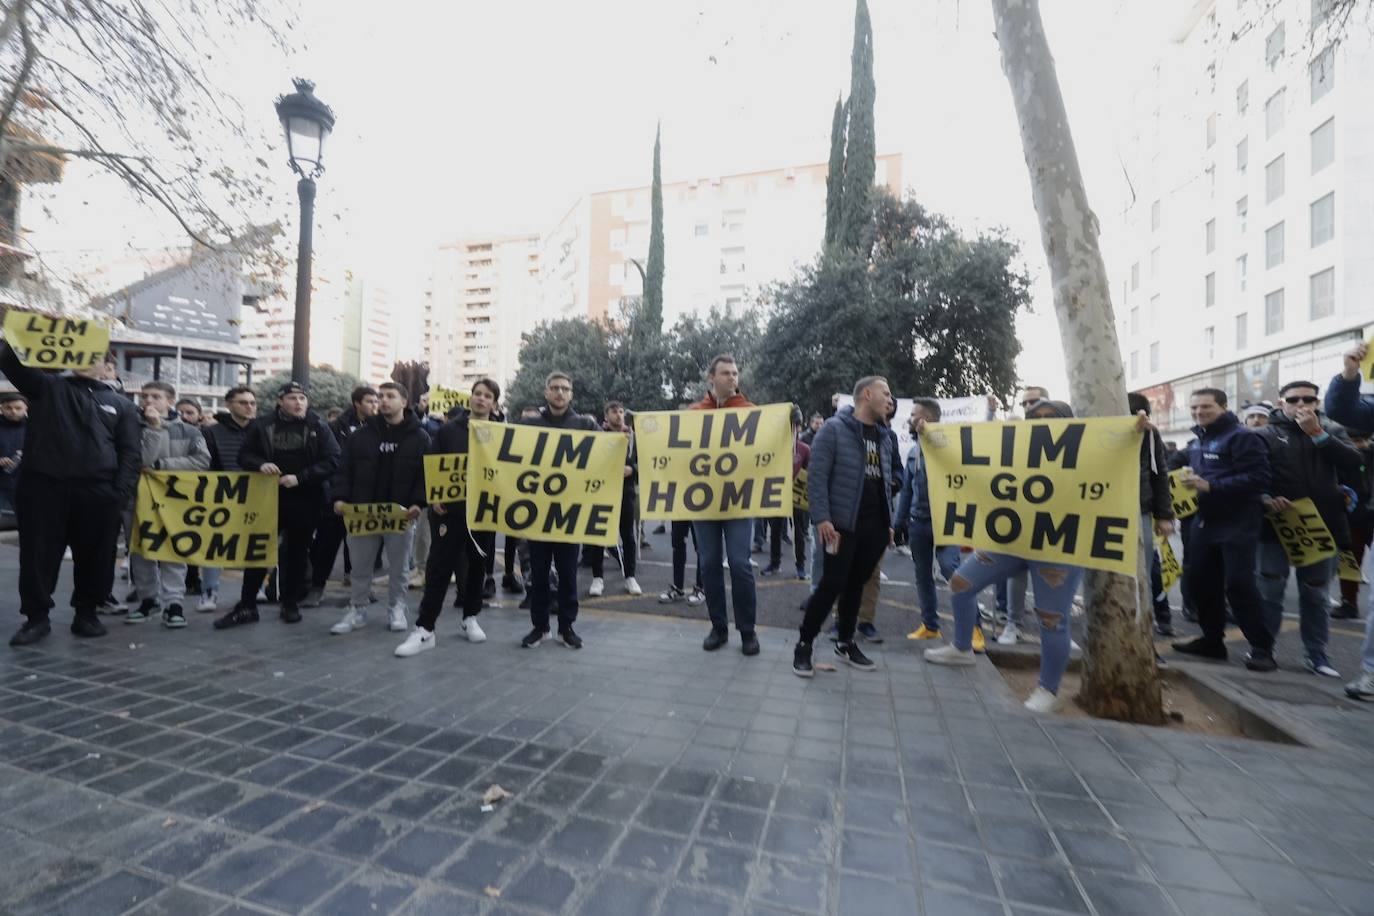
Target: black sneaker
{"x": 1346, "y": 611}
{"x": 715, "y": 639}
{"x": 1189, "y": 614}
{"x": 849, "y": 651}
{"x": 1260, "y": 661}
{"x": 869, "y": 632}
{"x": 801, "y": 573}
{"x": 111, "y": 606}
{"x": 1202, "y": 648}
{"x": 511, "y": 584}
{"x": 770, "y": 570}
{"x": 489, "y": 587}
{"x": 524, "y": 604}
{"x": 570, "y": 639}
{"x": 87, "y": 626}
{"x": 749, "y": 643}
{"x": 533, "y": 638}
{"x": 241, "y": 614}
{"x": 290, "y": 614}
{"x": 801, "y": 660}
{"x": 141, "y": 613}
{"x": 661, "y": 529}
{"x": 173, "y": 618}
{"x": 31, "y": 633}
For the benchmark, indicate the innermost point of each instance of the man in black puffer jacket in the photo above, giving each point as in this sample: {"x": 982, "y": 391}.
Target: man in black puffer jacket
{"x": 225, "y": 438}
{"x": 383, "y": 462}
{"x": 329, "y": 537}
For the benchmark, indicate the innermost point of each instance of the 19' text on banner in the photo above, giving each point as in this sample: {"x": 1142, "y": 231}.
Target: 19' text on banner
{"x": 546, "y": 484}
{"x": 1064, "y": 491}
{"x": 207, "y": 518}
{"x": 715, "y": 464}
{"x": 56, "y": 343}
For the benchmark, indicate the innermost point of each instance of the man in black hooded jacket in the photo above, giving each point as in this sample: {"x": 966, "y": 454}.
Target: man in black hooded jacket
{"x": 82, "y": 455}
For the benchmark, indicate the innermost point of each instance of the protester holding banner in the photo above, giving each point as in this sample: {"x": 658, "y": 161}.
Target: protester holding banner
{"x": 801, "y": 458}
{"x": 294, "y": 445}
{"x": 629, "y": 540}
{"x": 14, "y": 415}
{"x": 913, "y": 511}
{"x": 81, "y": 464}
{"x": 1361, "y": 484}
{"x": 224, "y": 438}
{"x": 1156, "y": 509}
{"x": 1229, "y": 469}
{"x": 1307, "y": 455}
{"x": 868, "y": 604}
{"x": 382, "y": 463}
{"x": 169, "y": 444}
{"x": 330, "y": 535}
{"x": 453, "y": 548}
{"x": 557, "y": 413}
{"x": 848, "y": 484}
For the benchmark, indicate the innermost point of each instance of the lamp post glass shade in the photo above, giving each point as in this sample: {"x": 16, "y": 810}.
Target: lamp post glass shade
{"x": 307, "y": 122}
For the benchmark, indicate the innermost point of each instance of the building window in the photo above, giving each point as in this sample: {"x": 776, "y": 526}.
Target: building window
{"x": 1209, "y": 342}
{"x": 1135, "y": 363}
{"x": 1154, "y": 311}
{"x": 1242, "y": 331}
{"x": 1322, "y": 72}
{"x": 702, "y": 229}
{"x": 1273, "y": 114}
{"x": 1243, "y": 97}
{"x": 1242, "y": 213}
{"x": 1273, "y": 180}
{"x": 1154, "y": 263}
{"x": 1242, "y": 155}
{"x": 1321, "y": 288}
{"x": 1154, "y": 356}
{"x": 1211, "y": 181}
{"x": 1242, "y": 271}
{"x": 1210, "y": 232}
{"x": 1273, "y": 312}
{"x": 1273, "y": 246}
{"x": 1211, "y": 130}
{"x": 1154, "y": 216}
{"x": 1273, "y": 46}
{"x": 1324, "y": 145}
{"x": 1210, "y": 284}
{"x": 1135, "y": 276}
{"x": 1135, "y": 319}
{"x": 1323, "y": 214}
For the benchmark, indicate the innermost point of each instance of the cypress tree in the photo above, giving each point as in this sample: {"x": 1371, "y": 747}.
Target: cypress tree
{"x": 653, "y": 270}
{"x": 834, "y": 177}
{"x": 860, "y": 160}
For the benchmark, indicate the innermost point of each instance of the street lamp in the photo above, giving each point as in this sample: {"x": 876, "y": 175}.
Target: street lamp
{"x": 307, "y": 122}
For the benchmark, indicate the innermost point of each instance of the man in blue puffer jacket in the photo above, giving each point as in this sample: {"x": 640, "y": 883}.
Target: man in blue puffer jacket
{"x": 848, "y": 484}
{"x": 913, "y": 511}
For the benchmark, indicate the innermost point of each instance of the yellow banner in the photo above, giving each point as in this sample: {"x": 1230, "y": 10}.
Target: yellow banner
{"x": 715, "y": 464}
{"x": 362, "y": 519}
{"x": 1302, "y": 533}
{"x": 56, "y": 343}
{"x": 446, "y": 478}
{"x": 800, "y": 498}
{"x": 1184, "y": 497}
{"x": 1367, "y": 364}
{"x": 559, "y": 485}
{"x": 442, "y": 400}
{"x": 1169, "y": 567}
{"x": 1065, "y": 491}
{"x": 1350, "y": 567}
{"x": 207, "y": 518}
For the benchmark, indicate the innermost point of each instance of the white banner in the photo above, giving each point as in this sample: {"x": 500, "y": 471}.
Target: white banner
{"x": 952, "y": 410}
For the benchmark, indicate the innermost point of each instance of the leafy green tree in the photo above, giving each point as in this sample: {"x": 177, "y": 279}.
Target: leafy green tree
{"x": 834, "y": 176}
{"x": 860, "y": 160}
{"x": 638, "y": 352}
{"x": 328, "y": 388}
{"x": 579, "y": 347}
{"x": 696, "y": 339}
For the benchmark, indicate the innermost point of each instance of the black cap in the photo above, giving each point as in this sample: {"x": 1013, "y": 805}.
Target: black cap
{"x": 292, "y": 387}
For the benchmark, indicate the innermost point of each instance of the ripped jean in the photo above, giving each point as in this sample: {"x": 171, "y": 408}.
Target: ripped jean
{"x": 1054, "y": 585}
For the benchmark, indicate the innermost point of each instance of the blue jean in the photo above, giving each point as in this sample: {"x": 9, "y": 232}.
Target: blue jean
{"x": 563, "y": 557}
{"x": 1053, "y": 602}
{"x": 1314, "y": 581}
{"x": 209, "y": 579}
{"x": 921, "y": 538}
{"x": 735, "y": 533}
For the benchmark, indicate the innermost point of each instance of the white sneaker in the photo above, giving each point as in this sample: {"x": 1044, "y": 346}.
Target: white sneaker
{"x": 598, "y": 587}
{"x": 904, "y": 550}
{"x": 696, "y": 598}
{"x": 206, "y": 604}
{"x": 1075, "y": 650}
{"x": 418, "y": 641}
{"x": 948, "y": 655}
{"x": 882, "y": 576}
{"x": 632, "y": 587}
{"x": 1041, "y": 700}
{"x": 396, "y": 618}
{"x": 1009, "y": 636}
{"x": 473, "y": 630}
{"x": 353, "y": 619}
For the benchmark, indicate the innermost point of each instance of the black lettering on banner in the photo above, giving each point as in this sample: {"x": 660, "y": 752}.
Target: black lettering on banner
{"x": 1044, "y": 533}
{"x": 1109, "y": 538}
{"x": 772, "y": 495}
{"x": 735, "y": 493}
{"x": 967, "y": 520}
{"x": 966, "y": 454}
{"x": 1044, "y": 446}
{"x": 661, "y": 495}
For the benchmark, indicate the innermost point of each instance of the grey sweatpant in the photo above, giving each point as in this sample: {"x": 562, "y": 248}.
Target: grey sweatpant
{"x": 363, "y": 551}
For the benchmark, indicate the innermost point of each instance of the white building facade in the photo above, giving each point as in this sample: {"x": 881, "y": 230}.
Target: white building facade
{"x": 1246, "y": 259}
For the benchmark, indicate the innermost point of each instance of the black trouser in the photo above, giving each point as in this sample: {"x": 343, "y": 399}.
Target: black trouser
{"x": 1158, "y": 596}
{"x": 629, "y": 544}
{"x": 1221, "y": 570}
{"x": 297, "y": 516}
{"x": 680, "y": 532}
{"x": 1185, "y": 533}
{"x": 800, "y": 523}
{"x": 563, "y": 557}
{"x": 844, "y": 575}
{"x": 328, "y": 538}
{"x": 53, "y": 515}
{"x": 453, "y": 549}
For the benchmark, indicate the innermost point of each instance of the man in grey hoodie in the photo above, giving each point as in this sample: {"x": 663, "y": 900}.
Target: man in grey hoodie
{"x": 168, "y": 445}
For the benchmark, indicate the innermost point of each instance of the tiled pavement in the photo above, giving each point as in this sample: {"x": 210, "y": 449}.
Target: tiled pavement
{"x": 280, "y": 769}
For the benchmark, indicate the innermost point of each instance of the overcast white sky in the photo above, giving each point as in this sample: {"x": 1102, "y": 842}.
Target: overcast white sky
{"x": 471, "y": 117}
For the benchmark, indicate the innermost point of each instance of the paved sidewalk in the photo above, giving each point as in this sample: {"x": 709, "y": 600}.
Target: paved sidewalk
{"x": 280, "y": 769}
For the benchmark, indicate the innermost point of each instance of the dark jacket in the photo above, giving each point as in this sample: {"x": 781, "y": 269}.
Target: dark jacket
{"x": 266, "y": 435}
{"x": 1303, "y": 466}
{"x": 225, "y": 439}
{"x": 569, "y": 420}
{"x": 631, "y": 459}
{"x": 1235, "y": 462}
{"x": 835, "y": 479}
{"x": 80, "y": 429}
{"x": 11, "y": 444}
{"x": 358, "y": 479}
{"x": 913, "y": 506}
{"x": 1345, "y": 406}
{"x": 344, "y": 425}
{"x": 1155, "y": 500}
{"x": 1362, "y": 483}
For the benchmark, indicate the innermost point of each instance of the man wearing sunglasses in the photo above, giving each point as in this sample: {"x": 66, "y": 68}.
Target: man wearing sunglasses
{"x": 1306, "y": 456}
